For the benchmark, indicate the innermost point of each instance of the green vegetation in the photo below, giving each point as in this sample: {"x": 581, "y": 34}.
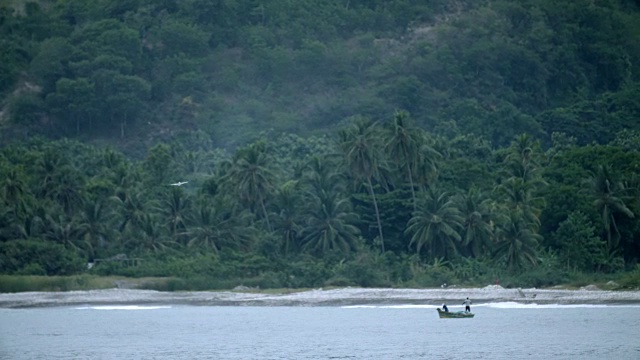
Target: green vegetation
{"x": 19, "y": 283}
{"x": 324, "y": 143}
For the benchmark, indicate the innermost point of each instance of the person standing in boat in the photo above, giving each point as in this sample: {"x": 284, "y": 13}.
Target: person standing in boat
{"x": 445, "y": 308}
{"x": 467, "y": 305}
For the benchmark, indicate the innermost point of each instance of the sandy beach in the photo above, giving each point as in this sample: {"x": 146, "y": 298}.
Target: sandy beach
{"x": 319, "y": 297}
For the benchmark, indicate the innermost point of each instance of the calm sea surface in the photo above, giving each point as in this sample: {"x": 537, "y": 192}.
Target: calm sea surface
{"x": 499, "y": 331}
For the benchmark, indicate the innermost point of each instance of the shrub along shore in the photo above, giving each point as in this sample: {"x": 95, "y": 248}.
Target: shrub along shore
{"x": 30, "y": 283}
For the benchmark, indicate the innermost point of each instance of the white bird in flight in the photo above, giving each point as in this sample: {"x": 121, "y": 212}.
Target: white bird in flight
{"x": 179, "y": 183}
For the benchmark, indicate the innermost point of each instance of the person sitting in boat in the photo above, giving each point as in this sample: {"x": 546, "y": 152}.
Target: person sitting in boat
{"x": 445, "y": 308}
{"x": 467, "y": 305}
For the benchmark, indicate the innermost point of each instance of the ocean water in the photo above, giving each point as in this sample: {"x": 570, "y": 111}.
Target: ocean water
{"x": 499, "y": 331}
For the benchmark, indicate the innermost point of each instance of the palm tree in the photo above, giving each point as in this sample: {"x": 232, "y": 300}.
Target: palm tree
{"x": 608, "y": 202}
{"x": 65, "y": 231}
{"x": 527, "y": 171}
{"x": 67, "y": 189}
{"x": 204, "y": 230}
{"x": 29, "y": 228}
{"x": 426, "y": 166}
{"x": 287, "y": 204}
{"x": 522, "y": 180}
{"x": 5, "y": 224}
{"x": 47, "y": 168}
{"x": 519, "y": 199}
{"x": 30, "y": 225}
{"x": 112, "y": 159}
{"x": 436, "y": 224}
{"x": 152, "y": 235}
{"x": 362, "y": 157}
{"x": 130, "y": 210}
{"x": 403, "y": 144}
{"x": 321, "y": 174}
{"x": 477, "y": 230}
{"x": 192, "y": 162}
{"x": 517, "y": 244}
{"x": 329, "y": 225}
{"x": 13, "y": 190}
{"x": 174, "y": 206}
{"x": 217, "y": 224}
{"x": 524, "y": 150}
{"x": 94, "y": 224}
{"x": 252, "y": 179}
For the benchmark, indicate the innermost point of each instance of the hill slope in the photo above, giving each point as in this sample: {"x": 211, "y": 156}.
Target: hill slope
{"x": 137, "y": 72}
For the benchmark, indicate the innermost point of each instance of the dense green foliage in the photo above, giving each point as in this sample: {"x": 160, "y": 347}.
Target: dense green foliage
{"x": 466, "y": 140}
{"x": 118, "y": 70}
{"x": 293, "y": 212}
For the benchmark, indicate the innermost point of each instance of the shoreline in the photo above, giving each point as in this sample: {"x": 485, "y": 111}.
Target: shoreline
{"x": 319, "y": 297}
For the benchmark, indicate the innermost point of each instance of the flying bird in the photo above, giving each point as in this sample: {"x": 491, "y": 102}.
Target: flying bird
{"x": 179, "y": 183}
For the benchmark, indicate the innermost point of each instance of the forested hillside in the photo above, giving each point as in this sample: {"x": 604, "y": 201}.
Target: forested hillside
{"x": 374, "y": 143}
{"x": 144, "y": 70}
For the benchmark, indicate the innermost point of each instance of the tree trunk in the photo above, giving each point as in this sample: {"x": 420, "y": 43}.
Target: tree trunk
{"x": 123, "y": 124}
{"x": 266, "y": 215}
{"x": 413, "y": 191}
{"x": 375, "y": 206}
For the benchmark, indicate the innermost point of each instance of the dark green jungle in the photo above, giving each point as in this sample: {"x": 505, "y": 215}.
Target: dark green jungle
{"x": 317, "y": 143}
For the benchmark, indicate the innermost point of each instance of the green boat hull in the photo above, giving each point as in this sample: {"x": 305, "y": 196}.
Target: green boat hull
{"x": 454, "y": 314}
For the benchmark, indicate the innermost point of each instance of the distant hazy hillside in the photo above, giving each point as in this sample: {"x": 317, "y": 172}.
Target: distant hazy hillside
{"x": 133, "y": 72}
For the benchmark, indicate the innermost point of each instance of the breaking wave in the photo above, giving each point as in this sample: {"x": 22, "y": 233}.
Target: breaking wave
{"x": 122, "y": 307}
{"x": 498, "y": 305}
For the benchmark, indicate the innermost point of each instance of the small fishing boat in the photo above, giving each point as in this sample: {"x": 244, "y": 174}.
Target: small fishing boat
{"x": 454, "y": 314}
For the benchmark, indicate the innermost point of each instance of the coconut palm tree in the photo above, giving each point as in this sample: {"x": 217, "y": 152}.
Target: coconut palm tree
{"x": 524, "y": 150}
{"x": 321, "y": 174}
{"x": 252, "y": 179}
{"x": 403, "y": 144}
{"x": 174, "y": 205}
{"x": 47, "y": 167}
{"x": 152, "y": 236}
{"x": 436, "y": 224}
{"x": 129, "y": 209}
{"x": 112, "y": 159}
{"x": 287, "y": 205}
{"x": 94, "y": 223}
{"x": 63, "y": 230}
{"x": 426, "y": 168}
{"x": 192, "y": 162}
{"x": 124, "y": 177}
{"x": 517, "y": 243}
{"x": 477, "y": 232}
{"x": 31, "y": 227}
{"x": 218, "y": 223}
{"x": 608, "y": 200}
{"x": 329, "y": 225}
{"x": 518, "y": 196}
{"x": 523, "y": 180}
{"x": 66, "y": 189}
{"x": 361, "y": 148}
{"x": 13, "y": 190}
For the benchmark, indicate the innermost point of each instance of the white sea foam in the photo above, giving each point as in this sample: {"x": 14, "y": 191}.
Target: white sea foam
{"x": 409, "y": 306}
{"x": 516, "y": 305}
{"x": 122, "y": 307}
{"x": 499, "y": 305}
